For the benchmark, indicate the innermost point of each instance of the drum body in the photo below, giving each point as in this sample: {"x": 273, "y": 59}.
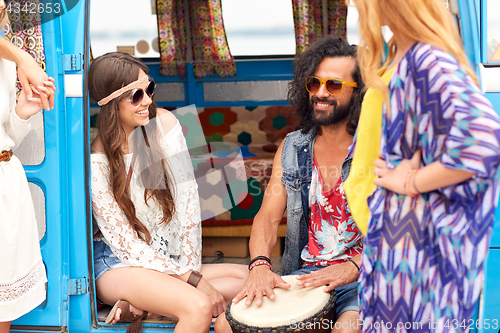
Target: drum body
{"x": 297, "y": 309}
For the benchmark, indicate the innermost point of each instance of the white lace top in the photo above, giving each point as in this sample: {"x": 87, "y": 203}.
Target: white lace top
{"x": 176, "y": 247}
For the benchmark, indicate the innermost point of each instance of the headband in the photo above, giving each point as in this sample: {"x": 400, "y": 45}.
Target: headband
{"x": 118, "y": 92}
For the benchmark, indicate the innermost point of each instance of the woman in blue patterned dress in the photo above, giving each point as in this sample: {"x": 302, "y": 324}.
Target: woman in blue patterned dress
{"x": 433, "y": 208}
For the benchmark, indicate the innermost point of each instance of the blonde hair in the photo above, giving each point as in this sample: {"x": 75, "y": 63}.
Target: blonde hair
{"x": 426, "y": 21}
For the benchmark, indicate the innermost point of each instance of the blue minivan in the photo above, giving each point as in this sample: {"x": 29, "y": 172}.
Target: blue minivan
{"x": 56, "y": 154}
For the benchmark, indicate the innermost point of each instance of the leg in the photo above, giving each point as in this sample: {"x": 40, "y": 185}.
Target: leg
{"x": 5, "y": 326}
{"x": 159, "y": 293}
{"x": 221, "y": 324}
{"x": 347, "y": 309}
{"x": 347, "y": 323}
{"x": 228, "y": 279}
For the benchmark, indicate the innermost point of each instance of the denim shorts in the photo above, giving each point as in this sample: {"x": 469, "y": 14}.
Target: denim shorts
{"x": 347, "y": 296}
{"x": 104, "y": 259}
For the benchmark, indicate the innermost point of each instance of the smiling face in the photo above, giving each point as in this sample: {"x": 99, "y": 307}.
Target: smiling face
{"x": 132, "y": 116}
{"x": 329, "y": 109}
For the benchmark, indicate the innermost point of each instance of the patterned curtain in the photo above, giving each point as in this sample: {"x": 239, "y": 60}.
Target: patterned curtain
{"x": 210, "y": 49}
{"x": 208, "y": 38}
{"x": 25, "y": 31}
{"x": 172, "y": 36}
{"x": 309, "y": 20}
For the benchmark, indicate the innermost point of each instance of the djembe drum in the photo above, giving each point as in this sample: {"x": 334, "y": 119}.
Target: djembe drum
{"x": 297, "y": 309}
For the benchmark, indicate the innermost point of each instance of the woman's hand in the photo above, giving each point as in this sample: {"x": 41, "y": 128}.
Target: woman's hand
{"x": 218, "y": 302}
{"x": 394, "y": 179}
{"x": 25, "y": 108}
{"x": 32, "y": 77}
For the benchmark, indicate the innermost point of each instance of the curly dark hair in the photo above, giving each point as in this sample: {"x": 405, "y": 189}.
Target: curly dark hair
{"x": 306, "y": 65}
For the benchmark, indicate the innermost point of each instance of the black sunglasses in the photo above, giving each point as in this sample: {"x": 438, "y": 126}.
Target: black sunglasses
{"x": 138, "y": 94}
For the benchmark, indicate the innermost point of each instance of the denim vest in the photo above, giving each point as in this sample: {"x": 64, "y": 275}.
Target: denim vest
{"x": 297, "y": 164}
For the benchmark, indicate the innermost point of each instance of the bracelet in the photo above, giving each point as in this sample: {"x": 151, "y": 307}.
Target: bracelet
{"x": 194, "y": 278}
{"x": 354, "y": 263}
{"x": 407, "y": 183}
{"x": 415, "y": 184}
{"x": 260, "y": 263}
{"x": 259, "y": 258}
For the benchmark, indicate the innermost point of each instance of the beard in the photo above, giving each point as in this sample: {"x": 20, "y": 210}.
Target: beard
{"x": 340, "y": 111}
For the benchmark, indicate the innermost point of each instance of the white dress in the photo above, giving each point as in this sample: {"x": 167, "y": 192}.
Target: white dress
{"x": 176, "y": 247}
{"x": 22, "y": 272}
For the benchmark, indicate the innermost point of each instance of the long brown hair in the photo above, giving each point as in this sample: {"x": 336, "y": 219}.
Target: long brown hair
{"x": 107, "y": 74}
{"x": 426, "y": 21}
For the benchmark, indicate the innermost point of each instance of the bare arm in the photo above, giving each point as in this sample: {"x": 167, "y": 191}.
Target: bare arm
{"x": 266, "y": 222}
{"x": 28, "y": 72}
{"x": 427, "y": 179}
{"x": 436, "y": 175}
{"x": 262, "y": 280}
{"x": 11, "y": 52}
{"x": 166, "y": 120}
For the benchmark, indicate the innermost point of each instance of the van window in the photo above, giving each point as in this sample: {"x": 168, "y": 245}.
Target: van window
{"x": 259, "y": 27}
{"x": 262, "y": 27}
{"x": 124, "y": 25}
{"x": 493, "y": 30}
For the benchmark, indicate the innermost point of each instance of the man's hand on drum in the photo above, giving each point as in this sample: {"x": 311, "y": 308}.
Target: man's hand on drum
{"x": 261, "y": 282}
{"x": 218, "y": 303}
{"x": 332, "y": 276}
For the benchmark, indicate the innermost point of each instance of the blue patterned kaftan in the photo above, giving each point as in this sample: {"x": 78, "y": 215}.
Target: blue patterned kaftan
{"x": 422, "y": 263}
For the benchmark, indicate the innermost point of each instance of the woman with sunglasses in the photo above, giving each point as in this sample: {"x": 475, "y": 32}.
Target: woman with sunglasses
{"x": 147, "y": 255}
{"x": 429, "y": 142}
{"x": 22, "y": 272}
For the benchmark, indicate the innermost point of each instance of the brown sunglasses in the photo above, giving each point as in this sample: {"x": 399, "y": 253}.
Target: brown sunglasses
{"x": 334, "y": 87}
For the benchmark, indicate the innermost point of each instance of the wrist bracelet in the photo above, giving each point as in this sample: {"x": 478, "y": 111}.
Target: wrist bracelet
{"x": 260, "y": 263}
{"x": 354, "y": 263}
{"x": 415, "y": 184}
{"x": 194, "y": 278}
{"x": 259, "y": 258}
{"x": 407, "y": 183}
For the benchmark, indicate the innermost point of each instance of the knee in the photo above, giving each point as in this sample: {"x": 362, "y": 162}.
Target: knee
{"x": 202, "y": 308}
{"x": 195, "y": 312}
{"x": 221, "y": 324}
{"x": 348, "y": 322}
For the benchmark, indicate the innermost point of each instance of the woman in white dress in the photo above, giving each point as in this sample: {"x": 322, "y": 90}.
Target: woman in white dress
{"x": 22, "y": 272}
{"x": 147, "y": 255}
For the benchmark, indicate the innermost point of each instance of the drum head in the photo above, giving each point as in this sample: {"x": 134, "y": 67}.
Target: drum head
{"x": 291, "y": 306}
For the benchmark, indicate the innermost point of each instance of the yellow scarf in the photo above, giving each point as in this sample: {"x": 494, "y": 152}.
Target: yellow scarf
{"x": 359, "y": 185}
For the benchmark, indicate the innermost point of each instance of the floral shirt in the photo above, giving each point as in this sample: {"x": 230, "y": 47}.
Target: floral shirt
{"x": 333, "y": 235}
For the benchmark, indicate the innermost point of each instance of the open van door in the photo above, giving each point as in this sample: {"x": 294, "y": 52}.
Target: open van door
{"x": 481, "y": 35}
{"x": 53, "y": 155}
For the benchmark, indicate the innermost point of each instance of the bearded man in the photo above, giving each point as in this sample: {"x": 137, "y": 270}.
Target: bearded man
{"x": 323, "y": 245}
